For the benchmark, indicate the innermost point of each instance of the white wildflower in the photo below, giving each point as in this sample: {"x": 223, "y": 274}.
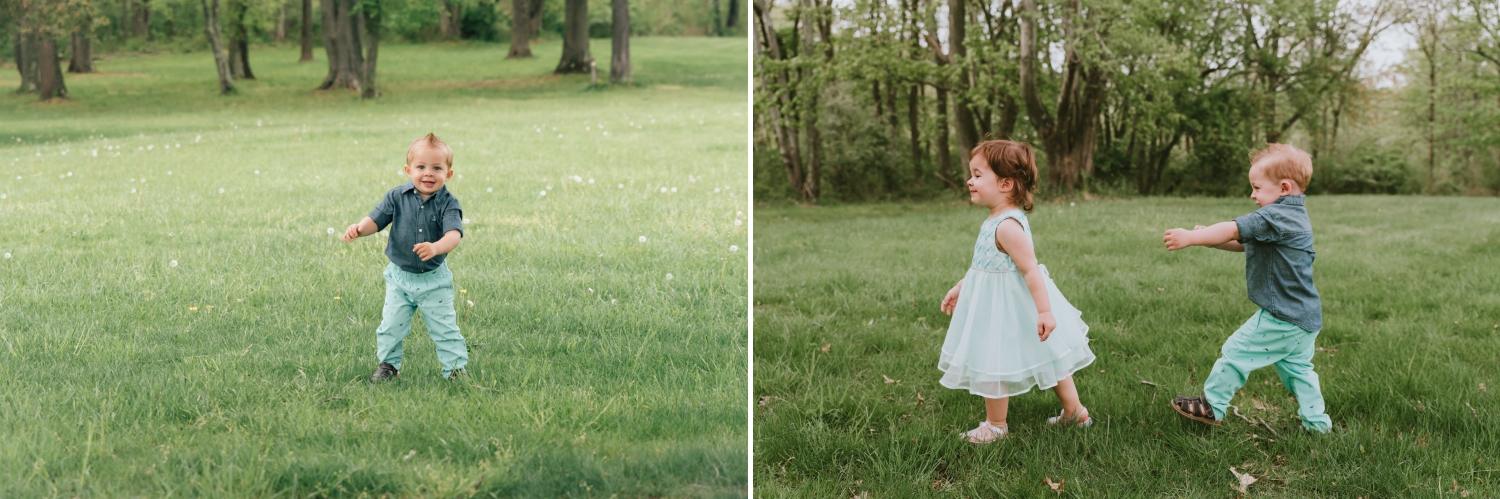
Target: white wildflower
{"x": 674, "y": 189}
{"x": 330, "y": 231}
{"x": 663, "y": 190}
{"x": 669, "y": 276}
{"x": 7, "y": 255}
{"x": 489, "y": 189}
{"x": 591, "y": 181}
{"x": 716, "y": 190}
{"x": 641, "y": 239}
{"x": 544, "y": 193}
{"x": 621, "y": 186}
{"x": 738, "y": 222}
{"x": 734, "y": 248}
{"x": 221, "y": 190}
{"x": 173, "y": 264}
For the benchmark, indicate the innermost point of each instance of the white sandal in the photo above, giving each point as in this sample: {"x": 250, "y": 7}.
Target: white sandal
{"x": 985, "y": 433}
{"x": 1061, "y": 419}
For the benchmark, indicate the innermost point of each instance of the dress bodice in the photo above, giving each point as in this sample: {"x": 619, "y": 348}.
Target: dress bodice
{"x": 986, "y": 255}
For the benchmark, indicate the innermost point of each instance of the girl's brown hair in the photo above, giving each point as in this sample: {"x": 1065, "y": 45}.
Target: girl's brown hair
{"x": 1012, "y": 160}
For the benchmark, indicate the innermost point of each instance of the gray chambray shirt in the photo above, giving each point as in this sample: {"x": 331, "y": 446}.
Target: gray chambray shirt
{"x": 1279, "y": 255}
{"x": 413, "y": 221}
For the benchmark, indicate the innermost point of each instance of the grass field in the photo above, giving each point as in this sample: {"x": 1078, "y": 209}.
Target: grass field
{"x": 846, "y": 296}
{"x": 178, "y": 321}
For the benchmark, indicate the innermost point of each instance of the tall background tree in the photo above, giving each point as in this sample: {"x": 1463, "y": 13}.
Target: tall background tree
{"x": 575, "y": 52}
{"x": 211, "y": 28}
{"x": 619, "y": 60}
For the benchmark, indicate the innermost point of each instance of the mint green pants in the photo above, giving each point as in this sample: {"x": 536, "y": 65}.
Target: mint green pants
{"x": 1265, "y": 340}
{"x": 431, "y": 292}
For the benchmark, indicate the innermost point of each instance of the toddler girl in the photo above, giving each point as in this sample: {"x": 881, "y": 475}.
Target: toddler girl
{"x": 1012, "y": 329}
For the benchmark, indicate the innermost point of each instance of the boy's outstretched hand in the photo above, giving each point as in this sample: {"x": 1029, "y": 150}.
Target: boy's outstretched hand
{"x": 1177, "y": 239}
{"x": 351, "y": 233}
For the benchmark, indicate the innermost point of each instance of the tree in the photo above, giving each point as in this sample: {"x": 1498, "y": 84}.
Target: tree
{"x": 82, "y": 60}
{"x": 575, "y": 53}
{"x": 239, "y": 40}
{"x": 351, "y": 37}
{"x": 619, "y": 61}
{"x": 526, "y": 20}
{"x": 38, "y": 25}
{"x": 307, "y": 20}
{"x": 1067, "y": 133}
{"x": 216, "y": 42}
{"x": 450, "y": 13}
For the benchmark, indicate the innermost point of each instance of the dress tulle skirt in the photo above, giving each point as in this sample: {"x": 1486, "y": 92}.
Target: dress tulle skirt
{"x": 992, "y": 349}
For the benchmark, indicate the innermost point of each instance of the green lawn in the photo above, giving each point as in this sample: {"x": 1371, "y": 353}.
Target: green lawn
{"x": 1411, "y": 301}
{"x": 177, "y": 321}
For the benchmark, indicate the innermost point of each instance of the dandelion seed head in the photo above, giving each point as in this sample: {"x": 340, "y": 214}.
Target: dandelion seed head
{"x": 470, "y": 302}
{"x": 641, "y": 239}
{"x": 663, "y": 190}
{"x": 169, "y": 172}
{"x": 132, "y": 190}
{"x": 1070, "y": 203}
{"x": 669, "y": 276}
{"x": 466, "y": 221}
{"x": 173, "y": 264}
{"x": 620, "y": 186}
{"x": 489, "y": 189}
{"x": 70, "y": 174}
{"x": 543, "y": 193}
{"x": 734, "y": 248}
{"x": 738, "y": 222}
{"x": 716, "y": 190}
{"x": 221, "y": 190}
{"x": 7, "y": 255}
{"x": 611, "y": 300}
{"x": 674, "y": 189}
{"x": 330, "y": 231}
{"x": 257, "y": 172}
{"x": 591, "y": 181}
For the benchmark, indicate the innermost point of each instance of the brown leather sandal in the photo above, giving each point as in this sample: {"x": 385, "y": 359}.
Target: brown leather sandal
{"x": 1195, "y": 408}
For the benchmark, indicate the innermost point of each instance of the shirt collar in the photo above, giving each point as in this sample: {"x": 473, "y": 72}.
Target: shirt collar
{"x": 1293, "y": 200}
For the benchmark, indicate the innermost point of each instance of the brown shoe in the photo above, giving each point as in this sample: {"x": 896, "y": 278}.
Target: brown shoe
{"x": 1195, "y": 408}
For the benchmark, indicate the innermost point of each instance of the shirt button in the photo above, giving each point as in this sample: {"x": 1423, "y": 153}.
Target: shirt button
{"x": 419, "y": 230}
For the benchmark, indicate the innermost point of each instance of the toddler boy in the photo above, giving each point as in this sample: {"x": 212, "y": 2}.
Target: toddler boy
{"x": 426, "y": 223}
{"x": 1278, "y": 244}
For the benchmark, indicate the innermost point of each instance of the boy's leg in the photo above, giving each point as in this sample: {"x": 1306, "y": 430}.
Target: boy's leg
{"x": 436, "y": 303}
{"x": 395, "y": 321}
{"x": 1251, "y": 347}
{"x": 1296, "y": 372}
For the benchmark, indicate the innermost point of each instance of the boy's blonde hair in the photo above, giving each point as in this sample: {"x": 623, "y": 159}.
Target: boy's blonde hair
{"x": 431, "y": 141}
{"x": 1284, "y": 162}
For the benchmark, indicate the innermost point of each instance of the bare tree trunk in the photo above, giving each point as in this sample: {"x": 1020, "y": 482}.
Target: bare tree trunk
{"x": 963, "y": 117}
{"x": 619, "y": 61}
{"x": 83, "y": 53}
{"x": 718, "y": 27}
{"x": 215, "y": 39}
{"x": 520, "y": 30}
{"x": 1069, "y": 140}
{"x": 575, "y": 53}
{"x": 125, "y": 17}
{"x": 281, "y": 23}
{"x": 49, "y": 83}
{"x": 809, "y": 109}
{"x": 914, "y": 121}
{"x": 941, "y": 143}
{"x": 786, "y": 134}
{"x": 370, "y": 25}
{"x": 733, "y": 18}
{"x": 307, "y": 22}
{"x": 143, "y": 19}
{"x": 27, "y": 43}
{"x": 341, "y": 40}
{"x": 239, "y": 40}
{"x": 448, "y": 19}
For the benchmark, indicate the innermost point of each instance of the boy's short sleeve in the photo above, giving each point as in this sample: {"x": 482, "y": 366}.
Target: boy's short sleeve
{"x": 1255, "y": 227}
{"x": 383, "y": 212}
{"x": 453, "y": 217}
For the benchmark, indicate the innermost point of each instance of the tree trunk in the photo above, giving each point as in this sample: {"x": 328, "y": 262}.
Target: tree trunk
{"x": 1008, "y": 115}
{"x": 575, "y": 53}
{"x": 786, "y": 135}
{"x": 27, "y": 42}
{"x": 944, "y": 152}
{"x": 125, "y": 17}
{"x": 49, "y": 84}
{"x": 809, "y": 108}
{"x": 307, "y": 22}
{"x": 733, "y": 17}
{"x": 341, "y": 41}
{"x": 370, "y": 25}
{"x": 239, "y": 40}
{"x": 520, "y": 30}
{"x": 216, "y": 40}
{"x": 143, "y": 19}
{"x": 83, "y": 54}
{"x": 1069, "y": 140}
{"x": 619, "y": 61}
{"x": 281, "y": 23}
{"x": 963, "y": 117}
{"x": 718, "y": 27}
{"x": 448, "y": 20}
{"x": 914, "y": 121}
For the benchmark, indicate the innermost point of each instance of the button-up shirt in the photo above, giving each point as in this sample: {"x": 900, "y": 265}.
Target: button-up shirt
{"x": 414, "y": 220}
{"x": 1279, "y": 255}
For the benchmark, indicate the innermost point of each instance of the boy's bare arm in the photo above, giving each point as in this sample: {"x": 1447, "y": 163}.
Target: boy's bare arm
{"x": 1234, "y": 246}
{"x": 449, "y": 241}
{"x": 363, "y": 228}
{"x": 1212, "y": 236}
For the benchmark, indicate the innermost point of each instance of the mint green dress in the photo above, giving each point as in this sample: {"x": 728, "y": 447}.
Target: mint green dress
{"x": 992, "y": 349}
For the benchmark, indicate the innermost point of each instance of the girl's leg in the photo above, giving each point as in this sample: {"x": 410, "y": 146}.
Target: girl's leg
{"x": 995, "y": 409}
{"x": 1067, "y": 394}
